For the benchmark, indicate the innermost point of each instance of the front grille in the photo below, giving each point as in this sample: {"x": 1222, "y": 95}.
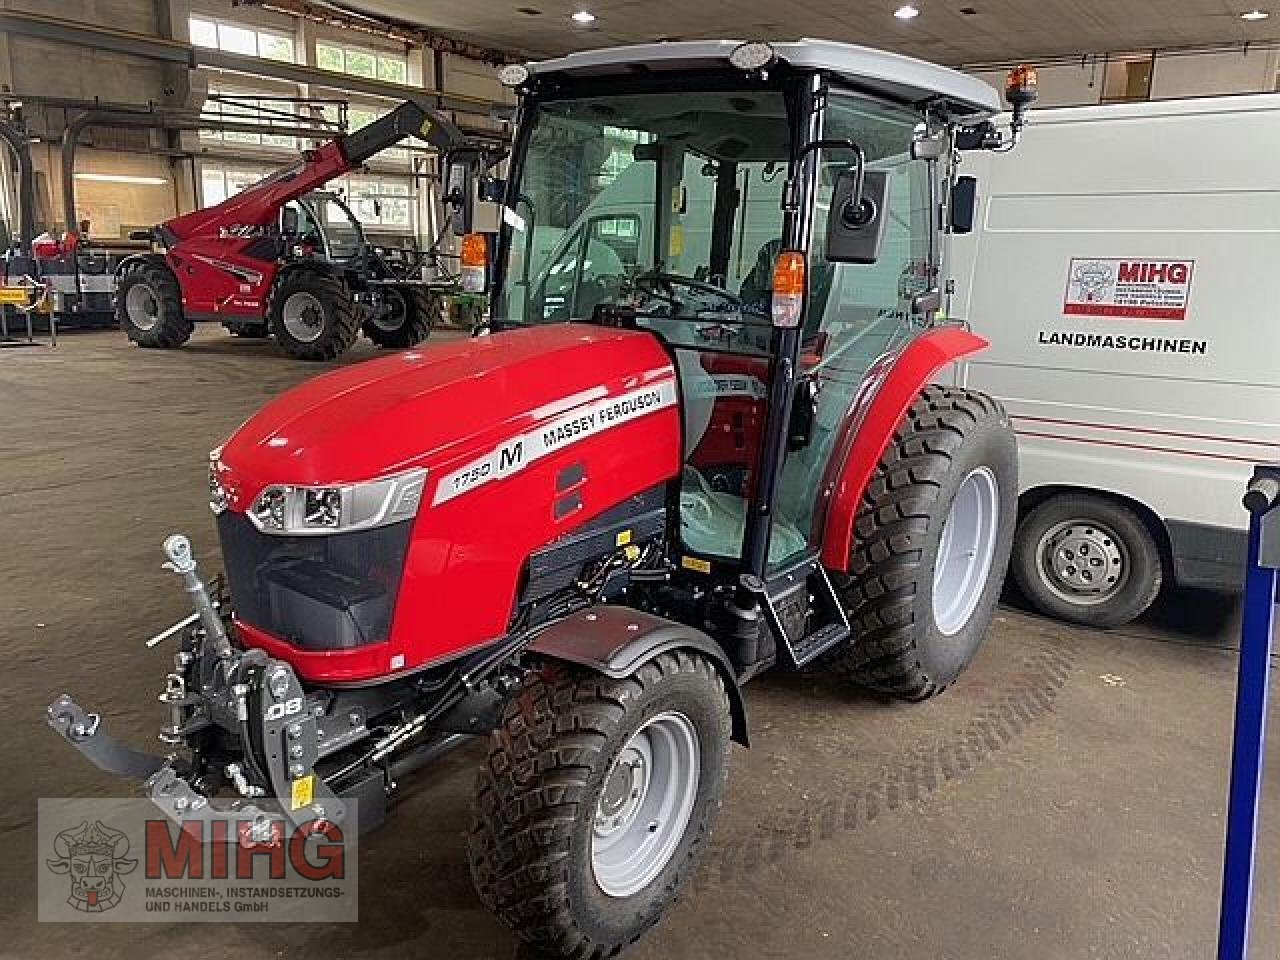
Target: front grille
{"x": 333, "y": 592}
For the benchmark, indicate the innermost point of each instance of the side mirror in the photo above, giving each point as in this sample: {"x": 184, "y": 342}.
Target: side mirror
{"x": 964, "y": 204}
{"x": 855, "y": 224}
{"x": 289, "y": 221}
{"x": 460, "y": 192}
{"x": 804, "y": 414}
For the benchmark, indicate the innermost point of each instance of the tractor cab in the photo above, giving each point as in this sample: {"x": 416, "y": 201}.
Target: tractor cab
{"x": 776, "y": 215}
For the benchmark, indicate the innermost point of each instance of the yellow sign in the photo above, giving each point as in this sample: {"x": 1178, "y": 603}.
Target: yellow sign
{"x": 676, "y": 247}
{"x": 694, "y": 563}
{"x": 622, "y": 539}
{"x": 304, "y": 791}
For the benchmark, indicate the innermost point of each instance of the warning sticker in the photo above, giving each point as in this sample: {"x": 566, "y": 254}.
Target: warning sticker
{"x": 1129, "y": 289}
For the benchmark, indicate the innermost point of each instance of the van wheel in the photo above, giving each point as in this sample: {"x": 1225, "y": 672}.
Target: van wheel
{"x": 931, "y": 545}
{"x": 1087, "y": 559}
{"x": 149, "y": 306}
{"x": 596, "y": 801}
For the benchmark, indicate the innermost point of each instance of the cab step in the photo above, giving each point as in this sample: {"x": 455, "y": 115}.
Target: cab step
{"x": 800, "y": 598}
{"x": 815, "y": 644}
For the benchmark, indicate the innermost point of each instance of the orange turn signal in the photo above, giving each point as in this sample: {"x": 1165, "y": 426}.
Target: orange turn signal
{"x": 788, "y": 288}
{"x": 474, "y": 258}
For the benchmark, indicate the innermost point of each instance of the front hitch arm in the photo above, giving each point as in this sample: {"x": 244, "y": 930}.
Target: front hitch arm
{"x": 85, "y": 732}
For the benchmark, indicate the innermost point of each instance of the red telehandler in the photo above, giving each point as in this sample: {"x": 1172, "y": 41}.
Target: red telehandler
{"x": 285, "y": 259}
{"x": 582, "y": 538}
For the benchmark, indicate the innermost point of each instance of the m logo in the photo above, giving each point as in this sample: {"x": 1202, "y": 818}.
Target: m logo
{"x": 94, "y": 858}
{"x": 511, "y": 456}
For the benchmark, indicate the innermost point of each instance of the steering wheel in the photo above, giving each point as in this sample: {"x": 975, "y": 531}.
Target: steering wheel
{"x": 662, "y": 286}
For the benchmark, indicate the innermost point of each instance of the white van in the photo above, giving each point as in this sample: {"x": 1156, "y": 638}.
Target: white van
{"x": 1125, "y": 268}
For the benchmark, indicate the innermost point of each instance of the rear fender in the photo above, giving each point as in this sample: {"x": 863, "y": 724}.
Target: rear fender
{"x": 618, "y": 641}
{"x": 865, "y": 437}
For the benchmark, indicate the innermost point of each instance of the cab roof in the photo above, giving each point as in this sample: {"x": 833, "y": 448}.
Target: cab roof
{"x": 892, "y": 75}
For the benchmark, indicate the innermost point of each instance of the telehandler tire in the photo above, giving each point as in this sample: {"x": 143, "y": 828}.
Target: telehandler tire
{"x": 312, "y": 316}
{"x": 149, "y": 306}
{"x": 597, "y": 799}
{"x": 931, "y": 545}
{"x": 414, "y": 312}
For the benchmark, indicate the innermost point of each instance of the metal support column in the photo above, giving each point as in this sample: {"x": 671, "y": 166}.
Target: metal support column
{"x": 1263, "y": 503}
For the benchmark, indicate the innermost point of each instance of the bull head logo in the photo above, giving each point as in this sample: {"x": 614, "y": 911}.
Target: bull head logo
{"x": 94, "y": 857}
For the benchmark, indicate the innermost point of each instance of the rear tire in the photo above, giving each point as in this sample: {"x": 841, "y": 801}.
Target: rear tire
{"x": 1087, "y": 559}
{"x": 409, "y": 322}
{"x": 149, "y": 306}
{"x": 563, "y": 803}
{"x": 931, "y": 545}
{"x": 312, "y": 316}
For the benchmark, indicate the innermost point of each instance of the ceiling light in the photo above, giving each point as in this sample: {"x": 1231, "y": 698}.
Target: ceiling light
{"x": 907, "y": 12}
{"x": 122, "y": 178}
{"x": 583, "y": 16}
{"x": 1255, "y": 15}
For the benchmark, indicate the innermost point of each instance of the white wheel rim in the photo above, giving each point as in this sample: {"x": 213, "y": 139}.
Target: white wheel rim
{"x": 965, "y": 551}
{"x": 303, "y": 317}
{"x": 395, "y": 314}
{"x": 142, "y": 305}
{"x": 645, "y": 805}
{"x": 1082, "y": 561}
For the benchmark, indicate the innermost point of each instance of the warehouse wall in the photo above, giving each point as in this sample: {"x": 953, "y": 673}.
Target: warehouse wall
{"x": 1102, "y": 78}
{"x": 1216, "y": 73}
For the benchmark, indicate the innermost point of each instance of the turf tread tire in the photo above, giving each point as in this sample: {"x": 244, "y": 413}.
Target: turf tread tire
{"x": 889, "y": 564}
{"x": 423, "y": 310}
{"x": 531, "y": 790}
{"x": 343, "y": 315}
{"x": 173, "y": 328}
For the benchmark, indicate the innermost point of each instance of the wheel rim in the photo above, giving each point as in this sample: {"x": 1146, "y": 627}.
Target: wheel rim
{"x": 1082, "y": 561}
{"x": 393, "y": 314}
{"x": 965, "y": 551}
{"x": 143, "y": 306}
{"x": 303, "y": 317}
{"x": 645, "y": 806}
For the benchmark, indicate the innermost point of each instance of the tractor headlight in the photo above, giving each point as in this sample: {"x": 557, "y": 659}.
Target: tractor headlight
{"x": 338, "y": 509}
{"x": 219, "y": 496}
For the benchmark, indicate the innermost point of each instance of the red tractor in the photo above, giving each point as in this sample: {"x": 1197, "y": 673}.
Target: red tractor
{"x": 619, "y": 520}
{"x": 285, "y": 259}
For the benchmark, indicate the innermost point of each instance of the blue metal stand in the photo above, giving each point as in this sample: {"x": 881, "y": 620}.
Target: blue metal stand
{"x": 1263, "y": 502}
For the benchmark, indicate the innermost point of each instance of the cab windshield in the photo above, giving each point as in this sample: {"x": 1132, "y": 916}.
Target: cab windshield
{"x": 665, "y": 203}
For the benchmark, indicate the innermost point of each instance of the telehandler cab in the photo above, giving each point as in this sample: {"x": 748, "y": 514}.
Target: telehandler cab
{"x": 582, "y": 538}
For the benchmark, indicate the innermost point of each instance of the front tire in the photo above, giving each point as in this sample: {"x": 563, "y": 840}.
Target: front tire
{"x": 312, "y": 316}
{"x": 149, "y": 306}
{"x": 597, "y": 800}
{"x": 931, "y": 545}
{"x": 1087, "y": 559}
{"x": 412, "y": 312}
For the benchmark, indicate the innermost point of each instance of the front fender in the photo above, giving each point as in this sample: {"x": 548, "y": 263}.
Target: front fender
{"x": 618, "y": 641}
{"x": 865, "y": 438}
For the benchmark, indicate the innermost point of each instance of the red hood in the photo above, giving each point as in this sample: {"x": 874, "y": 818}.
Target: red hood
{"x": 432, "y": 404}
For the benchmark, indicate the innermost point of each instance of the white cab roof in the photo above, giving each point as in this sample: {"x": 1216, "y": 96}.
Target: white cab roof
{"x": 891, "y": 74}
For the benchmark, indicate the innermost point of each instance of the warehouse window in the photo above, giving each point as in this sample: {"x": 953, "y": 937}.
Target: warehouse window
{"x": 218, "y": 182}
{"x": 235, "y": 38}
{"x": 379, "y": 202}
{"x": 249, "y": 107}
{"x": 359, "y": 62}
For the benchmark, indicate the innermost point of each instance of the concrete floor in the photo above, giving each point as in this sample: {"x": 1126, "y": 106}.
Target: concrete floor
{"x": 1064, "y": 800}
